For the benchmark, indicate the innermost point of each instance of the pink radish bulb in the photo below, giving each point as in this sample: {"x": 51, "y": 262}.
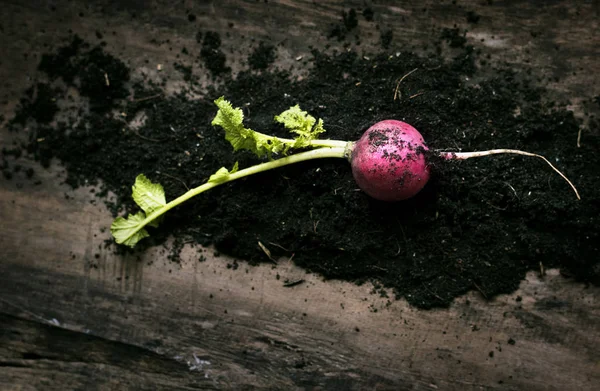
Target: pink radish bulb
{"x": 389, "y": 162}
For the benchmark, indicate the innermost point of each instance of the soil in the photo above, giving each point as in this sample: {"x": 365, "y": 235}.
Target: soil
{"x": 211, "y": 54}
{"x": 479, "y": 225}
{"x": 348, "y": 23}
{"x": 263, "y": 56}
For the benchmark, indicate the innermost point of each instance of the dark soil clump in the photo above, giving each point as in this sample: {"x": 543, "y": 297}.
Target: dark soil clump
{"x": 211, "y": 54}
{"x": 386, "y": 38}
{"x": 473, "y": 17}
{"x": 454, "y": 38}
{"x": 350, "y": 19}
{"x": 480, "y": 224}
{"x": 186, "y": 71}
{"x": 98, "y": 76}
{"x": 263, "y": 56}
{"x": 39, "y": 104}
{"x": 348, "y": 23}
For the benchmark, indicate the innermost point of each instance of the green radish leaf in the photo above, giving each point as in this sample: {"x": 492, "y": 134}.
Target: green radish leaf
{"x": 231, "y": 120}
{"x": 300, "y": 122}
{"x": 127, "y": 231}
{"x": 149, "y": 196}
{"x": 222, "y": 174}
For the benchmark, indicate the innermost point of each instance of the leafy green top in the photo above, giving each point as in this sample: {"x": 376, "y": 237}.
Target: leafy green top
{"x": 294, "y": 119}
{"x": 301, "y": 123}
{"x": 150, "y": 197}
{"x": 231, "y": 120}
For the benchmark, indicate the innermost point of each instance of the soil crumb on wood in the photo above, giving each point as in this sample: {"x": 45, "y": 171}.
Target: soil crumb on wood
{"x": 263, "y": 56}
{"x": 348, "y": 23}
{"x": 479, "y": 225}
{"x": 211, "y": 54}
{"x": 473, "y": 17}
{"x": 98, "y": 76}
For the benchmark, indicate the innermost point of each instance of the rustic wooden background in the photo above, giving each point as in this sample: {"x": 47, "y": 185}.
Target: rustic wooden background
{"x": 75, "y": 316}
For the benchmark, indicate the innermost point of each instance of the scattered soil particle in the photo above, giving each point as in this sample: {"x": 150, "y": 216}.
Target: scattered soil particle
{"x": 473, "y": 17}
{"x": 386, "y": 38}
{"x": 479, "y": 224}
{"x": 454, "y": 38}
{"x": 98, "y": 76}
{"x": 186, "y": 71}
{"x": 211, "y": 54}
{"x": 39, "y": 104}
{"x": 348, "y": 23}
{"x": 262, "y": 57}
{"x": 350, "y": 19}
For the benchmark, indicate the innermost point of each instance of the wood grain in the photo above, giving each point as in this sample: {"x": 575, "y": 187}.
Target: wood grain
{"x": 73, "y": 315}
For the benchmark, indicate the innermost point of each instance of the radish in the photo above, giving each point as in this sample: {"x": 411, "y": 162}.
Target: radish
{"x": 389, "y": 162}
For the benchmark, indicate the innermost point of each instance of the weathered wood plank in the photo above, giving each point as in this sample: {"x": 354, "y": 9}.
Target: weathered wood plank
{"x": 46, "y": 356}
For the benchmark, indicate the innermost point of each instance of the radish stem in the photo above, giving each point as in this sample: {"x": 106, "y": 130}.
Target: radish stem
{"x": 323, "y": 143}
{"x": 320, "y": 153}
{"x": 311, "y": 143}
{"x": 468, "y": 155}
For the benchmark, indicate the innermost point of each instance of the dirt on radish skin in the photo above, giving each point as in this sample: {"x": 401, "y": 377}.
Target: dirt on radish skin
{"x": 481, "y": 223}
{"x": 388, "y": 161}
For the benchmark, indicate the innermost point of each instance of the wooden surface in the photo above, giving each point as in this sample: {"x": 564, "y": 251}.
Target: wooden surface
{"x": 75, "y": 316}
